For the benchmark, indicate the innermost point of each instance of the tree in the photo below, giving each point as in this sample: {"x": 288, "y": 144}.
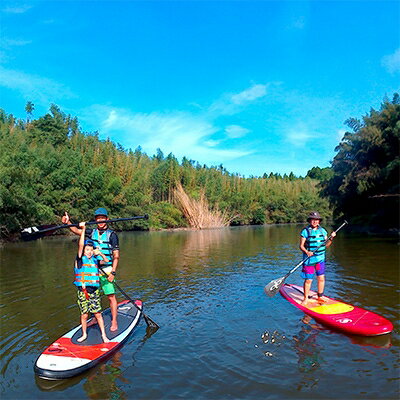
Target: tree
{"x": 29, "y": 107}
{"x": 366, "y": 179}
{"x": 321, "y": 174}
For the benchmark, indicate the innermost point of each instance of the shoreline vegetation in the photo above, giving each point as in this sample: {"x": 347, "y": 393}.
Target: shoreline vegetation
{"x": 49, "y": 166}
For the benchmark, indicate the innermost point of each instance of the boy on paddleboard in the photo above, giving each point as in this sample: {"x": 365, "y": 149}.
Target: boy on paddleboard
{"x": 312, "y": 237}
{"x": 106, "y": 240}
{"x": 87, "y": 281}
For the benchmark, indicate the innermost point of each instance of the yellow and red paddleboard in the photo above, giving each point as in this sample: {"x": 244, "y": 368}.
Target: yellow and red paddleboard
{"x": 336, "y": 314}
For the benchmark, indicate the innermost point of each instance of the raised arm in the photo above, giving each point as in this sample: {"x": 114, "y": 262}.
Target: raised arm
{"x": 81, "y": 244}
{"x": 66, "y": 220}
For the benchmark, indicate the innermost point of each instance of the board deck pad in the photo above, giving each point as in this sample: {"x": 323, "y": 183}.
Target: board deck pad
{"x": 93, "y": 331}
{"x": 336, "y": 314}
{"x": 67, "y": 357}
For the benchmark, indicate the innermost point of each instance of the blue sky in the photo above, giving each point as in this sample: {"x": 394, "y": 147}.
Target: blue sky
{"x": 261, "y": 86}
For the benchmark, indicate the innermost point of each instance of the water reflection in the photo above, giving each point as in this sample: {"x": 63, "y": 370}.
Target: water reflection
{"x": 309, "y": 353}
{"x": 103, "y": 383}
{"x": 307, "y": 347}
{"x": 379, "y": 342}
{"x": 220, "y": 336}
{"x": 99, "y": 382}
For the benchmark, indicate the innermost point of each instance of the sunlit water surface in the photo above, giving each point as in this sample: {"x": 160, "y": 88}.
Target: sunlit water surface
{"x": 220, "y": 336}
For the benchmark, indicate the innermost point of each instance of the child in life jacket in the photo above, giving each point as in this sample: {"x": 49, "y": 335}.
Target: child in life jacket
{"x": 87, "y": 281}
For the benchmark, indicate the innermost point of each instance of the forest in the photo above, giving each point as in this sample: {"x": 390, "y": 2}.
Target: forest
{"x": 365, "y": 177}
{"x": 49, "y": 165}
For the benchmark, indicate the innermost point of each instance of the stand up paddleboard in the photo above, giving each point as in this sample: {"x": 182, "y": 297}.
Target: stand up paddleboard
{"x": 337, "y": 315}
{"x": 67, "y": 357}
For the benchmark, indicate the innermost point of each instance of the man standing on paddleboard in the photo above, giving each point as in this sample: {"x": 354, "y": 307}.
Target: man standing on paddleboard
{"x": 107, "y": 242}
{"x": 313, "y": 243}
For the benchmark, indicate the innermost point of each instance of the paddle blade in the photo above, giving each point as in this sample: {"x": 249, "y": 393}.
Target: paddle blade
{"x": 150, "y": 323}
{"x": 273, "y": 287}
{"x": 37, "y": 232}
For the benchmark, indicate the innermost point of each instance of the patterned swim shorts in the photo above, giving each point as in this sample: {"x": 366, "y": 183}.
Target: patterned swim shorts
{"x": 308, "y": 271}
{"x": 91, "y": 305}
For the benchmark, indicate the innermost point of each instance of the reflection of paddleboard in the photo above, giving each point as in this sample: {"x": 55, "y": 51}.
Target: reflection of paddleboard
{"x": 338, "y": 315}
{"x": 66, "y": 357}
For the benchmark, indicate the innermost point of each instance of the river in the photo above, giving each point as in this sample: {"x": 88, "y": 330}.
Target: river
{"x": 221, "y": 337}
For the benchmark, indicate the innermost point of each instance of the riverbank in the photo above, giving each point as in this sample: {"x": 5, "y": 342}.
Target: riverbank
{"x": 368, "y": 230}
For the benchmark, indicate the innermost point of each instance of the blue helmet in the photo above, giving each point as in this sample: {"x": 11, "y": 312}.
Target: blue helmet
{"x": 101, "y": 211}
{"x": 89, "y": 242}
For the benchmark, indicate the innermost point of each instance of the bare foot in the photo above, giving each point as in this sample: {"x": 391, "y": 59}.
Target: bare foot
{"x": 82, "y": 338}
{"x": 105, "y": 339}
{"x": 321, "y": 300}
{"x": 114, "y": 327}
{"x": 304, "y": 302}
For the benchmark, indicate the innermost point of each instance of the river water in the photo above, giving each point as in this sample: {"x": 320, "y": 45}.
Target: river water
{"x": 220, "y": 336}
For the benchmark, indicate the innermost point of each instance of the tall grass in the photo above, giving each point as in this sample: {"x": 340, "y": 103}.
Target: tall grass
{"x": 198, "y": 213}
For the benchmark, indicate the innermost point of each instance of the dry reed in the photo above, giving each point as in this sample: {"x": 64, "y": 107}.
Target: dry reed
{"x": 198, "y": 213}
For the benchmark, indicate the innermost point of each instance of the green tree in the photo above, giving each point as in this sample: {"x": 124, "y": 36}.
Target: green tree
{"x": 365, "y": 184}
{"x": 29, "y": 107}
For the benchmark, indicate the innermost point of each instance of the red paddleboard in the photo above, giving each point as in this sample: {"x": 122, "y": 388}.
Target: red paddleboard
{"x": 67, "y": 357}
{"x": 336, "y": 314}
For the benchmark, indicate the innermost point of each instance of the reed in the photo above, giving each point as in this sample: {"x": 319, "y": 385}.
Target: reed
{"x": 198, "y": 213}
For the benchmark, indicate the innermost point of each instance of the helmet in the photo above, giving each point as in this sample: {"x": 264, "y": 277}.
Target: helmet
{"x": 314, "y": 215}
{"x": 89, "y": 242}
{"x": 101, "y": 211}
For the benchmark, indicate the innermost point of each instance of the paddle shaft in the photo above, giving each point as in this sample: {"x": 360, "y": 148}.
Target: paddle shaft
{"x": 322, "y": 244}
{"x": 39, "y": 231}
{"x": 148, "y": 320}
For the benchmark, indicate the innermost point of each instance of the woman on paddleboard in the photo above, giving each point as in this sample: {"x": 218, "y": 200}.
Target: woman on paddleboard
{"x": 313, "y": 243}
{"x": 87, "y": 281}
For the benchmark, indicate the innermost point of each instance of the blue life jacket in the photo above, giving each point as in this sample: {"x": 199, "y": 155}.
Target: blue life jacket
{"x": 314, "y": 239}
{"x": 88, "y": 273}
{"x": 102, "y": 242}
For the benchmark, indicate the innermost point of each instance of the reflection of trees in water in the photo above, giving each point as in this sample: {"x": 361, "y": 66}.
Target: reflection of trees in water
{"x": 365, "y": 270}
{"x": 308, "y": 351}
{"x": 102, "y": 383}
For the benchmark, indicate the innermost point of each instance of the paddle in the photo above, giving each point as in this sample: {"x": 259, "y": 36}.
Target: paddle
{"x": 35, "y": 232}
{"x": 273, "y": 287}
{"x": 150, "y": 323}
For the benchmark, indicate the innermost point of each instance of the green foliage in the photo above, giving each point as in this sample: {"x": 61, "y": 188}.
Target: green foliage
{"x": 48, "y": 166}
{"x": 321, "y": 174}
{"x": 365, "y": 184}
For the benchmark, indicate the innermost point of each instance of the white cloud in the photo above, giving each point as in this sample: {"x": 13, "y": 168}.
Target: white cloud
{"x": 340, "y": 134}
{"x": 33, "y": 87}
{"x": 299, "y": 136}
{"x": 181, "y": 133}
{"x": 212, "y": 143}
{"x": 248, "y": 95}
{"x": 391, "y": 62}
{"x": 299, "y": 23}
{"x": 230, "y": 104}
{"x": 14, "y": 42}
{"x": 236, "y": 131}
{"x": 17, "y": 9}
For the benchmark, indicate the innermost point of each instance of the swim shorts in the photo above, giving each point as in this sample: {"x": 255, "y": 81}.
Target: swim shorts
{"x": 308, "y": 271}
{"x": 107, "y": 286}
{"x": 91, "y": 305}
